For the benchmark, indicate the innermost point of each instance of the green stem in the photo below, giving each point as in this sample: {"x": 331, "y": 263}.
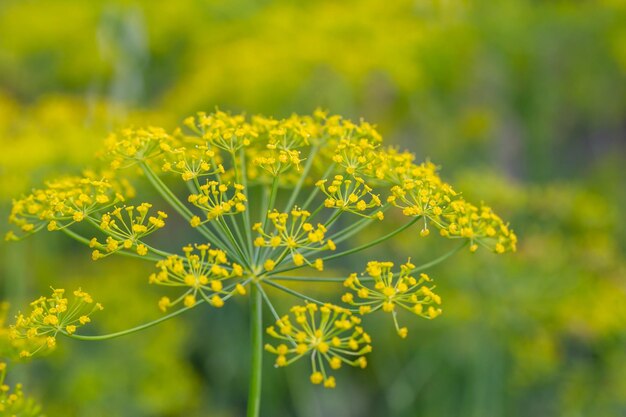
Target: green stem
{"x": 166, "y": 193}
{"x": 312, "y": 279}
{"x": 268, "y": 301}
{"x": 131, "y": 330}
{"x": 293, "y": 292}
{"x": 233, "y": 219}
{"x": 357, "y": 249}
{"x": 303, "y": 176}
{"x": 355, "y": 228}
{"x": 419, "y": 268}
{"x": 373, "y": 242}
{"x": 316, "y": 189}
{"x": 263, "y": 252}
{"x": 178, "y": 205}
{"x": 333, "y": 218}
{"x": 239, "y": 252}
{"x": 440, "y": 259}
{"x": 256, "y": 334}
{"x": 246, "y": 217}
{"x": 85, "y": 241}
{"x": 271, "y": 202}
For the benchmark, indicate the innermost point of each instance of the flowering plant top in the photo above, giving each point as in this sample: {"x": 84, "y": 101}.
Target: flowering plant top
{"x": 263, "y": 197}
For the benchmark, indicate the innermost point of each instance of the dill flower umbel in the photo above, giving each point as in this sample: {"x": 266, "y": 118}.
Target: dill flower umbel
{"x": 66, "y": 201}
{"x": 391, "y": 290}
{"x": 125, "y": 227}
{"x": 202, "y": 272}
{"x": 329, "y": 334}
{"x": 295, "y": 235}
{"x": 52, "y": 315}
{"x": 13, "y": 402}
{"x": 256, "y": 198}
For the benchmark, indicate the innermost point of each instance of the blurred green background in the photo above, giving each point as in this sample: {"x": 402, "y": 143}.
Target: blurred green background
{"x": 522, "y": 102}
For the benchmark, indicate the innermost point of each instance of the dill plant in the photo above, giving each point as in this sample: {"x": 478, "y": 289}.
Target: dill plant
{"x": 263, "y": 201}
{"x": 13, "y": 402}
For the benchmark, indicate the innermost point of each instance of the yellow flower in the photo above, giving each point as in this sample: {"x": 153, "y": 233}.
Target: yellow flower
{"x": 51, "y": 315}
{"x": 329, "y": 335}
{"x": 203, "y": 272}
{"x": 126, "y": 226}
{"x": 292, "y": 234}
{"x": 214, "y": 200}
{"x": 131, "y": 146}
{"x": 385, "y": 290}
{"x": 12, "y": 401}
{"x": 351, "y": 195}
{"x": 65, "y": 201}
{"x": 275, "y": 194}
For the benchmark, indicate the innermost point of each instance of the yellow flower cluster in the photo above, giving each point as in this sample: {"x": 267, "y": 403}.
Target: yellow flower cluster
{"x": 328, "y": 335}
{"x": 51, "y": 315}
{"x": 358, "y": 156}
{"x": 295, "y": 234}
{"x": 203, "y": 272}
{"x": 351, "y": 195}
{"x": 281, "y": 141}
{"x": 13, "y": 402}
{"x": 222, "y": 131}
{"x": 126, "y": 231}
{"x": 64, "y": 202}
{"x": 394, "y": 166}
{"x": 213, "y": 199}
{"x": 391, "y": 290}
{"x": 270, "y": 145}
{"x": 238, "y": 171}
{"x": 480, "y": 225}
{"x": 290, "y": 133}
{"x": 278, "y": 161}
{"x": 423, "y": 193}
{"x": 274, "y": 146}
{"x": 352, "y": 147}
{"x": 353, "y": 151}
{"x": 193, "y": 163}
{"x": 131, "y": 146}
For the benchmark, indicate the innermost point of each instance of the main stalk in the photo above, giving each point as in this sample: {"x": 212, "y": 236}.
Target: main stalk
{"x": 256, "y": 346}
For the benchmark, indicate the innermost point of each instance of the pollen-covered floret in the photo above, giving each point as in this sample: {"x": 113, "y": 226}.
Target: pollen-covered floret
{"x": 65, "y": 201}
{"x": 277, "y": 161}
{"x": 291, "y": 133}
{"x": 203, "y": 272}
{"x": 280, "y": 141}
{"x": 218, "y": 200}
{"x": 125, "y": 227}
{"x": 480, "y": 225}
{"x": 385, "y": 290}
{"x": 352, "y": 195}
{"x": 328, "y": 334}
{"x": 357, "y": 156}
{"x": 192, "y": 163}
{"x": 292, "y": 234}
{"x": 52, "y": 315}
{"x": 394, "y": 166}
{"x": 222, "y": 130}
{"x": 423, "y": 193}
{"x": 131, "y": 146}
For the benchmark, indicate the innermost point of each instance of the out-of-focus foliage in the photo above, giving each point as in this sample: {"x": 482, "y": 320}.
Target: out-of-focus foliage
{"x": 12, "y": 400}
{"x": 543, "y": 332}
{"x": 519, "y": 81}
{"x": 533, "y": 91}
